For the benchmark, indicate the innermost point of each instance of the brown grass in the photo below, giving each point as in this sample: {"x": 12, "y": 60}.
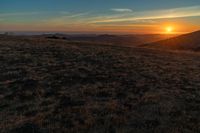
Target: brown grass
{"x": 57, "y": 86}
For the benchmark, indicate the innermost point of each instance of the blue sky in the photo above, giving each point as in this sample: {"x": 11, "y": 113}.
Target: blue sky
{"x": 90, "y": 5}
{"x": 98, "y": 15}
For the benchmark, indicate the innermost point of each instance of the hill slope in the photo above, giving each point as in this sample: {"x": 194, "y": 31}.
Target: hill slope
{"x": 189, "y": 41}
{"x": 54, "y": 86}
{"x": 122, "y": 40}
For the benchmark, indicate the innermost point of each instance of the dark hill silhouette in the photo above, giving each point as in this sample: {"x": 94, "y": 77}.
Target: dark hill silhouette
{"x": 126, "y": 40}
{"x": 190, "y": 41}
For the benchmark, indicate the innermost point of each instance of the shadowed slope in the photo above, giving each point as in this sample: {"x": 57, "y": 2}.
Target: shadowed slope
{"x": 122, "y": 40}
{"x": 189, "y": 41}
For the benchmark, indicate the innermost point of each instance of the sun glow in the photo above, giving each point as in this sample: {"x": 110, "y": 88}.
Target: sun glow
{"x": 169, "y": 30}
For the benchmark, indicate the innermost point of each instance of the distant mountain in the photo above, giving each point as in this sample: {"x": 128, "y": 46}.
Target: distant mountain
{"x": 189, "y": 41}
{"x": 126, "y": 40}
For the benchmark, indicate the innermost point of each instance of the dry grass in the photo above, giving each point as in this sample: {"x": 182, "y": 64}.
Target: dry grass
{"x": 57, "y": 86}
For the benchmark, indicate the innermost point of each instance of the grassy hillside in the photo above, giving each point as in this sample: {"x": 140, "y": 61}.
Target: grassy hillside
{"x": 189, "y": 42}
{"x": 57, "y": 86}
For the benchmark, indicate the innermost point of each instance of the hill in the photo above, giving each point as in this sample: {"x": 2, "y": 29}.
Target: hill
{"x": 54, "y": 86}
{"x": 189, "y": 41}
{"x": 120, "y": 40}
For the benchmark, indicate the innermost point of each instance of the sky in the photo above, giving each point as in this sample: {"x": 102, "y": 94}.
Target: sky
{"x": 100, "y": 16}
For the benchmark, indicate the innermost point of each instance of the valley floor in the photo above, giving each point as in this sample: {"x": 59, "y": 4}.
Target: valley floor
{"x": 57, "y": 86}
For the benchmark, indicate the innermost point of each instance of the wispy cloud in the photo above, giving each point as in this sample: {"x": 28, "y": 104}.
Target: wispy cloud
{"x": 73, "y": 15}
{"x": 78, "y": 15}
{"x": 67, "y": 19}
{"x": 121, "y": 10}
{"x": 18, "y": 14}
{"x": 64, "y": 12}
{"x": 155, "y": 14}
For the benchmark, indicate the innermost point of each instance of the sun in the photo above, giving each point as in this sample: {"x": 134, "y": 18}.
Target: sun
{"x": 169, "y": 29}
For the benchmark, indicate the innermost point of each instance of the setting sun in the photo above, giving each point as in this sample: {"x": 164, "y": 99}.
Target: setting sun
{"x": 169, "y": 29}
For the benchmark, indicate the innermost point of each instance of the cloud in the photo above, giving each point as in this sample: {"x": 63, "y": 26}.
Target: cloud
{"x": 182, "y": 12}
{"x": 73, "y": 15}
{"x": 66, "y": 19}
{"x": 122, "y": 10}
{"x": 18, "y": 14}
{"x": 78, "y": 15}
{"x": 64, "y": 12}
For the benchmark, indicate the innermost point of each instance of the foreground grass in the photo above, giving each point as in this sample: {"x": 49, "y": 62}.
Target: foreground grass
{"x": 57, "y": 86}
